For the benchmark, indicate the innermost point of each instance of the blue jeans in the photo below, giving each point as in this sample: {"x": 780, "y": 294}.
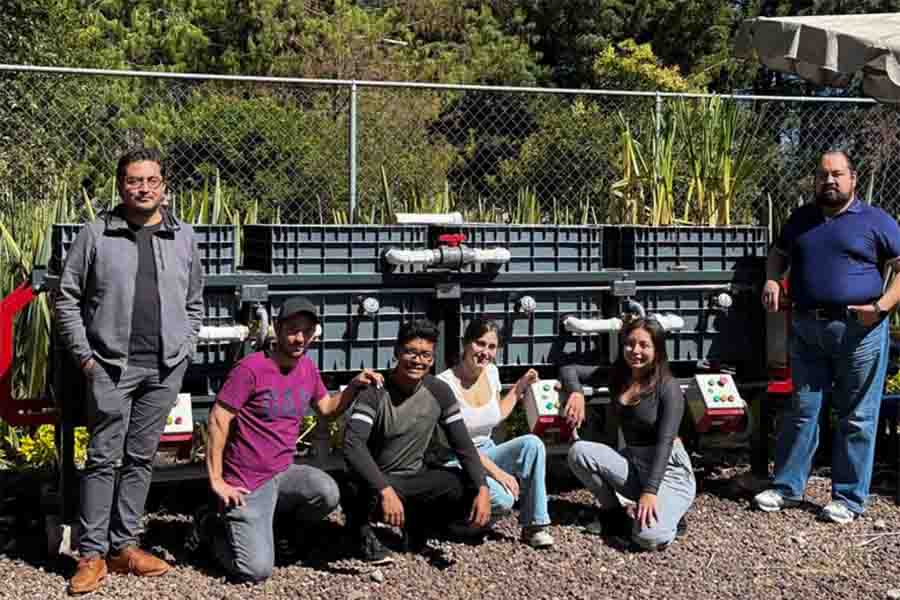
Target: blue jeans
{"x": 526, "y": 459}
{"x": 606, "y": 471}
{"x": 847, "y": 360}
{"x": 298, "y": 496}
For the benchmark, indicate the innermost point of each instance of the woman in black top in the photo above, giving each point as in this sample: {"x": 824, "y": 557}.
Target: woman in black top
{"x": 652, "y": 474}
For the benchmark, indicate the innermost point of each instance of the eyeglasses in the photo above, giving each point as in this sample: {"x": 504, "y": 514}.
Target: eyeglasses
{"x": 410, "y": 353}
{"x": 136, "y": 182}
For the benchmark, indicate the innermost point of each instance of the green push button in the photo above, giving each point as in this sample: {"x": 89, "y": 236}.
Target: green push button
{"x": 549, "y": 406}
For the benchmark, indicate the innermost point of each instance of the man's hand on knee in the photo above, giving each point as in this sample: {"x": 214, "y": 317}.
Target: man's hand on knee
{"x": 229, "y": 495}
{"x": 481, "y": 508}
{"x": 392, "y": 507}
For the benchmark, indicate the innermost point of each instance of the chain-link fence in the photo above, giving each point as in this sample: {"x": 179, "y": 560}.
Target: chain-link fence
{"x": 324, "y": 152}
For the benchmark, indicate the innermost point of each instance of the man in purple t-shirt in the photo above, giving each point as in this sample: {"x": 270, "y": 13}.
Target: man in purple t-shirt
{"x": 253, "y": 430}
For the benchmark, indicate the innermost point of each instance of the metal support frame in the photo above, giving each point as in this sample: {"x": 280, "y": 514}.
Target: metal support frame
{"x": 352, "y": 133}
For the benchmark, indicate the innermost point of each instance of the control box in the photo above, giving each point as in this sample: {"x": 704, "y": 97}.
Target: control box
{"x": 544, "y": 406}
{"x": 714, "y": 402}
{"x": 181, "y": 417}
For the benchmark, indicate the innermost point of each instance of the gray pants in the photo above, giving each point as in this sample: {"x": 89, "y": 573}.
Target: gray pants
{"x": 299, "y": 495}
{"x": 605, "y": 472}
{"x": 126, "y": 418}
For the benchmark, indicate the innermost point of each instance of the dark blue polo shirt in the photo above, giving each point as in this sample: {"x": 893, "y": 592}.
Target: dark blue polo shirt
{"x": 838, "y": 261}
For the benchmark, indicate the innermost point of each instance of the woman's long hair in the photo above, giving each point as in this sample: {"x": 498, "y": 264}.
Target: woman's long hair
{"x": 474, "y": 330}
{"x": 479, "y": 327}
{"x": 620, "y": 376}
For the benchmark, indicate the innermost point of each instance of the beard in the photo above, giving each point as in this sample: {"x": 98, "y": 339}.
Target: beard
{"x": 833, "y": 197}
{"x": 144, "y": 206}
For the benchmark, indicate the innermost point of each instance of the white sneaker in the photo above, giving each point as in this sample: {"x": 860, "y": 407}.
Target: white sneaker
{"x": 838, "y": 512}
{"x": 537, "y": 537}
{"x": 773, "y": 501}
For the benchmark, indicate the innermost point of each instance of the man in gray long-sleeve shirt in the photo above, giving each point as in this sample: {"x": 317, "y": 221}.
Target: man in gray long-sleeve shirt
{"x": 387, "y": 435}
{"x": 129, "y": 310}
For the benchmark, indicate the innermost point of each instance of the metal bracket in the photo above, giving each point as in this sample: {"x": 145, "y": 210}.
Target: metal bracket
{"x": 43, "y": 281}
{"x": 447, "y": 291}
{"x": 624, "y": 287}
{"x": 254, "y": 293}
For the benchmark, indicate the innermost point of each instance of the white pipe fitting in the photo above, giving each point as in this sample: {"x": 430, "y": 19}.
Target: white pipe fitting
{"x": 527, "y": 304}
{"x": 724, "y": 300}
{"x": 669, "y": 322}
{"x": 636, "y": 307}
{"x": 233, "y": 333}
{"x": 370, "y": 306}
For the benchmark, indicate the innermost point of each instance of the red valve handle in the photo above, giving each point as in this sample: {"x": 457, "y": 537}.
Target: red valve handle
{"x": 452, "y": 239}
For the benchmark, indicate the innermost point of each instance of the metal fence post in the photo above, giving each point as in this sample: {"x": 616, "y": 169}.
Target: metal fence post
{"x": 658, "y": 115}
{"x": 352, "y": 158}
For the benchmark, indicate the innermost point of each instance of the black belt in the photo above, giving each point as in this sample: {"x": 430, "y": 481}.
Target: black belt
{"x": 826, "y": 313}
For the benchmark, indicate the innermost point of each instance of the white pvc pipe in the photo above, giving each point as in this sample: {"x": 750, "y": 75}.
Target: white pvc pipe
{"x": 263, "y": 315}
{"x": 498, "y": 256}
{"x": 395, "y": 256}
{"x": 591, "y": 326}
{"x": 453, "y": 218}
{"x": 669, "y": 322}
{"x": 233, "y": 333}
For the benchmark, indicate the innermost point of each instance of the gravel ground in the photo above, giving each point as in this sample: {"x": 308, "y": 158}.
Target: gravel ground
{"x": 728, "y": 551}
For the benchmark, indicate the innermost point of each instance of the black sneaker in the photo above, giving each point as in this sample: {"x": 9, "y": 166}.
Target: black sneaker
{"x": 681, "y": 528}
{"x": 415, "y": 540}
{"x": 286, "y": 549}
{"x": 612, "y": 523}
{"x": 371, "y": 550}
{"x": 200, "y": 534}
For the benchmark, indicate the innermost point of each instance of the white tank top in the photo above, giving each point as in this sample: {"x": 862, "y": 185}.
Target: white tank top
{"x": 479, "y": 420}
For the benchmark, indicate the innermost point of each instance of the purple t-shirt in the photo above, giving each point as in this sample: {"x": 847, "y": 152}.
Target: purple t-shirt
{"x": 269, "y": 406}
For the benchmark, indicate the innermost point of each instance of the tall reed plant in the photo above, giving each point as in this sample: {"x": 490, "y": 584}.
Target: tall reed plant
{"x": 25, "y": 239}
{"x": 718, "y": 136}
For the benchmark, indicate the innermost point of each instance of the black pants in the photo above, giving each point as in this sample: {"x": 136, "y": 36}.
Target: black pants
{"x": 430, "y": 498}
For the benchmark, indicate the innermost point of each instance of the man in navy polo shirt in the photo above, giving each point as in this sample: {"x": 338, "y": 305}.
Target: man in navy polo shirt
{"x": 837, "y": 249}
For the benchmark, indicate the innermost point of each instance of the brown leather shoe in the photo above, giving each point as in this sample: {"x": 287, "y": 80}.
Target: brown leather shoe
{"x": 135, "y": 561}
{"x": 90, "y": 574}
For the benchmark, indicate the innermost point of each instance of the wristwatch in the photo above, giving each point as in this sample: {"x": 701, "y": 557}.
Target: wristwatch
{"x": 879, "y": 312}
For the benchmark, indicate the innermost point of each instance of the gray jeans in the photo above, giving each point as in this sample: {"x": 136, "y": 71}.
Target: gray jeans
{"x": 126, "y": 418}
{"x": 605, "y": 472}
{"x": 300, "y": 495}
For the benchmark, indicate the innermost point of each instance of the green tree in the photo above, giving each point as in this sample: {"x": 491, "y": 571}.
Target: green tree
{"x": 633, "y": 66}
{"x": 569, "y": 34}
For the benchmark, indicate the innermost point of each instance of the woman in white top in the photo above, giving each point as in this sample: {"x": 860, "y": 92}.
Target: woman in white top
{"x": 515, "y": 469}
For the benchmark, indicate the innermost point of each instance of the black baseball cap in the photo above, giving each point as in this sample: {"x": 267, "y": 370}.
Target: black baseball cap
{"x": 296, "y": 305}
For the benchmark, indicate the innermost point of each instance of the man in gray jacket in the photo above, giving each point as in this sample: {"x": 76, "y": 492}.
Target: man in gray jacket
{"x": 129, "y": 309}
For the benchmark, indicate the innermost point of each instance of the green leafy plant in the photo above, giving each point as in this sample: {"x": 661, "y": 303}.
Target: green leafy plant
{"x": 527, "y": 209}
{"x": 627, "y": 193}
{"x": 892, "y": 385}
{"x": 718, "y": 137}
{"x": 36, "y": 448}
